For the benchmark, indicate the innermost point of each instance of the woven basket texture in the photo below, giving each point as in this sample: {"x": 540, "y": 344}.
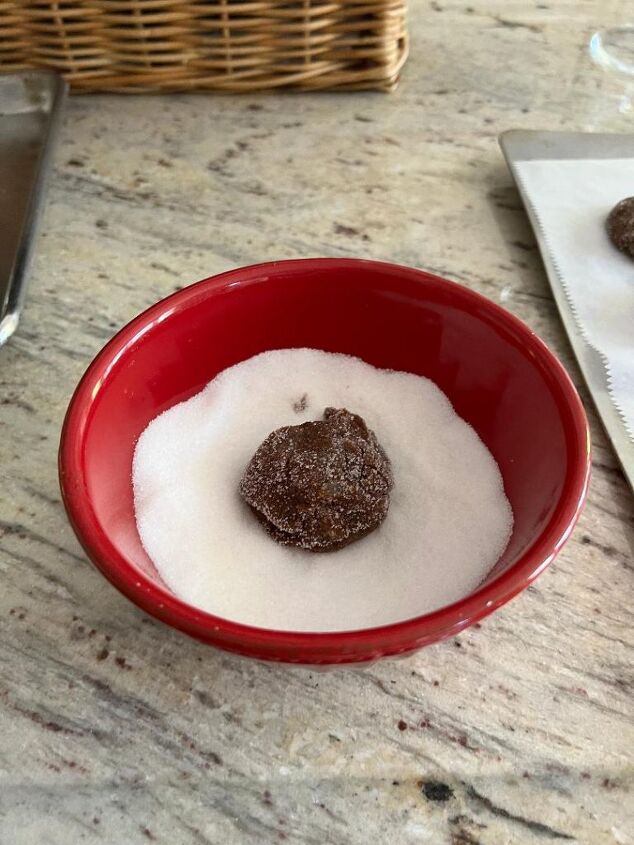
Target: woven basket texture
{"x": 231, "y": 45}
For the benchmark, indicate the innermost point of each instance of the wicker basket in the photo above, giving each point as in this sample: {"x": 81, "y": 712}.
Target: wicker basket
{"x": 229, "y": 45}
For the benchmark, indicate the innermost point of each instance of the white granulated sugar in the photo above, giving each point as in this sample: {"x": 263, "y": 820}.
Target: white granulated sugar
{"x": 448, "y": 523}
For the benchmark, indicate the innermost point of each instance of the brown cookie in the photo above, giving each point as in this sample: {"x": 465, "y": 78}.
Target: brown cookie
{"x": 620, "y": 225}
{"x": 319, "y": 485}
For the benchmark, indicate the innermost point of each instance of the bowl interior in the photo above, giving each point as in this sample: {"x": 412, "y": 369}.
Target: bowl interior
{"x": 391, "y": 317}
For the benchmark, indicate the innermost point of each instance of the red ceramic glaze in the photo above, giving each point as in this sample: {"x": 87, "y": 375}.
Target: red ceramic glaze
{"x": 499, "y": 376}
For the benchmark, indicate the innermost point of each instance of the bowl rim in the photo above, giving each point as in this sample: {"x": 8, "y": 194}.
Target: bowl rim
{"x": 302, "y": 646}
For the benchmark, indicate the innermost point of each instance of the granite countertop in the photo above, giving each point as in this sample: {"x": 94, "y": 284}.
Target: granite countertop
{"x": 116, "y": 729}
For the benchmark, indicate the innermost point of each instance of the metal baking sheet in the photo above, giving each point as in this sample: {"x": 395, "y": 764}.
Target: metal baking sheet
{"x": 525, "y": 145}
{"x": 30, "y": 104}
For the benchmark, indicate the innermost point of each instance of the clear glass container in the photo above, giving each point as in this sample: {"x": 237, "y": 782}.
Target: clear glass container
{"x": 613, "y": 50}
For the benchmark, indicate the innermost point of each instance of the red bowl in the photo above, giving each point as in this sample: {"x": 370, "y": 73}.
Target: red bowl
{"x": 499, "y": 376}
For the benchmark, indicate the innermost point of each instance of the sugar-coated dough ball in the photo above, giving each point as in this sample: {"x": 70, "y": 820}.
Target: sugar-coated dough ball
{"x": 620, "y": 225}
{"x": 319, "y": 485}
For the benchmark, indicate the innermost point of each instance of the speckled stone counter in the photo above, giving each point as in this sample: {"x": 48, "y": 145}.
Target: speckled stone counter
{"x": 115, "y": 729}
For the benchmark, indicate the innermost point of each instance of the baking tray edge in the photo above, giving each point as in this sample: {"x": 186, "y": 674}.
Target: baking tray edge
{"x": 530, "y": 145}
{"x": 17, "y": 283}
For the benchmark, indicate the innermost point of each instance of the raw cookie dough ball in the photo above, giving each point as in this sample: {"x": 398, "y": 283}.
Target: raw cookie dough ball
{"x": 319, "y": 485}
{"x": 620, "y": 225}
